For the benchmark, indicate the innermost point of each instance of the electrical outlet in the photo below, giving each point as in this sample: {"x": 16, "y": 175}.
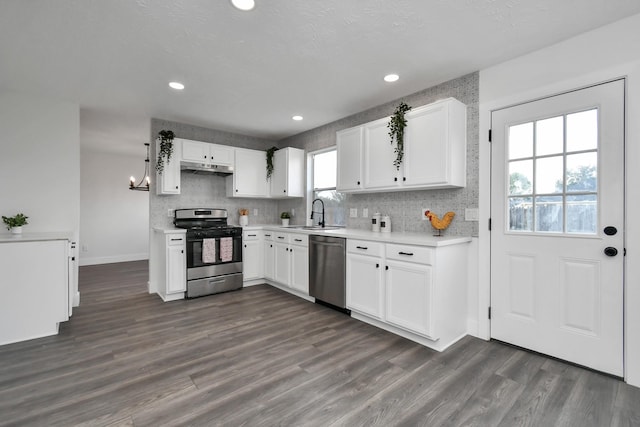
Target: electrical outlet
{"x": 255, "y": 212}
{"x": 85, "y": 248}
{"x": 471, "y": 214}
{"x": 171, "y": 213}
{"x": 365, "y": 213}
{"x": 353, "y": 213}
{"x": 423, "y": 214}
{"x": 293, "y": 212}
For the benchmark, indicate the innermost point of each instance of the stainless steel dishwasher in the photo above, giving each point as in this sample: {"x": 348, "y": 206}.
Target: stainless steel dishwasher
{"x": 327, "y": 270}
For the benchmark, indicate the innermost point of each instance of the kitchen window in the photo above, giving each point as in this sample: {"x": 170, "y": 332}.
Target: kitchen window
{"x": 322, "y": 183}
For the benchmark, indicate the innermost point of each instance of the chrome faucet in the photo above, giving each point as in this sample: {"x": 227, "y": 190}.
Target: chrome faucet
{"x": 320, "y": 223}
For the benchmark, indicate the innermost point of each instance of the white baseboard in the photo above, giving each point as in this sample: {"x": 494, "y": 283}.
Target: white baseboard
{"x": 112, "y": 259}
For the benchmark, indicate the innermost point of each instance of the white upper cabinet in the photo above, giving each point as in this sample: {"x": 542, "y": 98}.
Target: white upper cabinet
{"x": 434, "y": 151}
{"x": 168, "y": 182}
{"x": 379, "y": 171}
{"x": 249, "y": 177}
{"x": 435, "y": 146}
{"x": 287, "y": 179}
{"x": 206, "y": 153}
{"x": 349, "y": 143}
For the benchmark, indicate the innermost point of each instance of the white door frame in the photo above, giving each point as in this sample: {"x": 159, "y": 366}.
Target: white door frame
{"x": 484, "y": 242}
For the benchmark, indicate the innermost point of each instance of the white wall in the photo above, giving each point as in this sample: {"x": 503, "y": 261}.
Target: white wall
{"x": 596, "y": 56}
{"x": 40, "y": 163}
{"x": 114, "y": 223}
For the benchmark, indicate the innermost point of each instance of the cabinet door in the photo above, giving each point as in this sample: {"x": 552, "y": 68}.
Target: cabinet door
{"x": 168, "y": 182}
{"x": 349, "y": 148}
{"x": 364, "y": 285}
{"x": 221, "y": 154}
{"x": 426, "y": 157}
{"x": 300, "y": 268}
{"x": 249, "y": 177}
{"x": 176, "y": 269}
{"x": 378, "y": 156}
{"x": 282, "y": 263}
{"x": 279, "y": 175}
{"x": 252, "y": 259}
{"x": 409, "y": 297}
{"x": 194, "y": 151}
{"x": 269, "y": 259}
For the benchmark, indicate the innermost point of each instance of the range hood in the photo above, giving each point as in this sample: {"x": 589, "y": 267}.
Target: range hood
{"x": 201, "y": 168}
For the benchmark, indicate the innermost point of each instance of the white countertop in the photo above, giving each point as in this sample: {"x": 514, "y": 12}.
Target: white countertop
{"x": 169, "y": 230}
{"x": 416, "y": 238}
{"x": 6, "y": 237}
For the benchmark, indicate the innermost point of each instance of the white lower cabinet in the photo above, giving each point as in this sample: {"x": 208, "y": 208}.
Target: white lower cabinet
{"x": 409, "y": 297}
{"x": 418, "y": 292}
{"x": 365, "y": 278}
{"x": 268, "y": 254}
{"x": 168, "y": 264}
{"x": 252, "y": 255}
{"x": 291, "y": 260}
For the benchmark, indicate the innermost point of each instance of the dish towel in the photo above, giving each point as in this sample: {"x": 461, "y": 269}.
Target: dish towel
{"x": 226, "y": 249}
{"x": 208, "y": 251}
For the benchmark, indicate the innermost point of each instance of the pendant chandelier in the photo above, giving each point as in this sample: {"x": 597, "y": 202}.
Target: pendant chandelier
{"x": 143, "y": 185}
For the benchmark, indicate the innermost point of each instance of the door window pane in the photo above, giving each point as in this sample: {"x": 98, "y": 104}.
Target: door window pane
{"x": 521, "y": 177}
{"x": 549, "y": 214}
{"x": 582, "y": 172}
{"x": 521, "y": 141}
{"x": 581, "y": 214}
{"x": 582, "y": 131}
{"x": 554, "y": 187}
{"x": 521, "y": 214}
{"x": 549, "y": 173}
{"x": 550, "y": 136}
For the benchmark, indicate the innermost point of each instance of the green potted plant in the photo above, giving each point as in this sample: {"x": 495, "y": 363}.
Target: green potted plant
{"x": 285, "y": 217}
{"x": 396, "y": 126}
{"x": 270, "y": 153}
{"x": 15, "y": 223}
{"x": 165, "y": 150}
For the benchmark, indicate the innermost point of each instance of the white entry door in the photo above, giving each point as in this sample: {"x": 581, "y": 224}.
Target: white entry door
{"x": 557, "y": 209}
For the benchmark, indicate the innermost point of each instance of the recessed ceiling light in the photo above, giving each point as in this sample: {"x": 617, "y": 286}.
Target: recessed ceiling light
{"x": 297, "y": 118}
{"x": 391, "y": 78}
{"x": 243, "y": 4}
{"x": 176, "y": 85}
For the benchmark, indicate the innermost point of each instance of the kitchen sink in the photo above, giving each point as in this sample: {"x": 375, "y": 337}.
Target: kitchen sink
{"x": 316, "y": 227}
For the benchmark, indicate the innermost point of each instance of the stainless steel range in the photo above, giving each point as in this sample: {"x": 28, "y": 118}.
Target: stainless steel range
{"x": 214, "y": 251}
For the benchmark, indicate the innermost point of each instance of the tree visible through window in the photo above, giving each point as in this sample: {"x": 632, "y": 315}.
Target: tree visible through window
{"x": 324, "y": 188}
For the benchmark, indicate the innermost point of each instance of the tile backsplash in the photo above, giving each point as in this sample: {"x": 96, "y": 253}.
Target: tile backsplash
{"x": 405, "y": 207}
{"x": 207, "y": 190}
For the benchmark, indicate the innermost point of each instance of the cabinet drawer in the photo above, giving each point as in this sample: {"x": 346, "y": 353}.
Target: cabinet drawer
{"x": 417, "y": 254}
{"x": 281, "y": 237}
{"x": 364, "y": 247}
{"x": 251, "y": 235}
{"x": 299, "y": 239}
{"x": 268, "y": 235}
{"x": 175, "y": 239}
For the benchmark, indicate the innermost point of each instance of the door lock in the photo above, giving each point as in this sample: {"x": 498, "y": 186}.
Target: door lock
{"x": 610, "y": 251}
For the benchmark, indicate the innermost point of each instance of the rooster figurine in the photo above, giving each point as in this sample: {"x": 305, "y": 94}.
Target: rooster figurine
{"x": 440, "y": 224}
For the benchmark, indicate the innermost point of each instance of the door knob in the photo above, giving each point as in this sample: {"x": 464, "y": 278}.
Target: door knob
{"x": 610, "y": 251}
{"x": 610, "y": 230}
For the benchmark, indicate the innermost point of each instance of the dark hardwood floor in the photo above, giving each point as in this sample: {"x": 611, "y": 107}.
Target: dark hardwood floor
{"x": 261, "y": 357}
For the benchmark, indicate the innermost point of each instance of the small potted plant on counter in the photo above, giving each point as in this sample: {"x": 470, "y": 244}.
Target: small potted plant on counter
{"x": 285, "y": 217}
{"x": 15, "y": 223}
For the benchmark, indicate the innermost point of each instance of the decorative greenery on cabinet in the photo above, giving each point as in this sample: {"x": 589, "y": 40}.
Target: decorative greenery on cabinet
{"x": 166, "y": 149}
{"x": 15, "y": 221}
{"x": 270, "y": 153}
{"x": 396, "y": 126}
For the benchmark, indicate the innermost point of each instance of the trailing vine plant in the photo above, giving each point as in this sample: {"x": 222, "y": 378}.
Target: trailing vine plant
{"x": 270, "y": 153}
{"x": 165, "y": 150}
{"x": 396, "y": 126}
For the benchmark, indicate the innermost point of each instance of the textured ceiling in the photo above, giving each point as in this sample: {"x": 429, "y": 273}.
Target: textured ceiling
{"x": 250, "y": 72}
